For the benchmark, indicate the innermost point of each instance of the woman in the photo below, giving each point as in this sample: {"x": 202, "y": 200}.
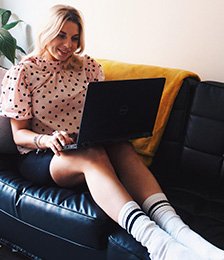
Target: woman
{"x": 43, "y": 95}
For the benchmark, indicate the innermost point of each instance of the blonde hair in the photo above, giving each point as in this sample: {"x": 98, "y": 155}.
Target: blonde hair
{"x": 59, "y": 14}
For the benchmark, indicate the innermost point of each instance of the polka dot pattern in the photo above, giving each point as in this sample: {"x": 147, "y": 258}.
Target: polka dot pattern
{"x": 50, "y": 96}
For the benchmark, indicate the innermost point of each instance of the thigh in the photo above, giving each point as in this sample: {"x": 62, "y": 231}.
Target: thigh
{"x": 72, "y": 167}
{"x": 35, "y": 166}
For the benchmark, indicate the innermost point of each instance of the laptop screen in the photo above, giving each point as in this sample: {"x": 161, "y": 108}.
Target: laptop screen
{"x": 120, "y": 110}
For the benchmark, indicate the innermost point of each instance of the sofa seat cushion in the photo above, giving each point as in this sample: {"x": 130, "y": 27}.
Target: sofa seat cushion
{"x": 69, "y": 214}
{"x": 123, "y": 246}
{"x": 201, "y": 209}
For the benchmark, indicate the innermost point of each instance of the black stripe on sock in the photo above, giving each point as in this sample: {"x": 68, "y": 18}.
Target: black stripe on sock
{"x": 133, "y": 221}
{"x": 152, "y": 209}
{"x": 153, "y": 212}
{"x": 129, "y": 216}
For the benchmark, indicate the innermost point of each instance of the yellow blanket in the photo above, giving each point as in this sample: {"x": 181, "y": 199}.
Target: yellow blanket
{"x": 114, "y": 70}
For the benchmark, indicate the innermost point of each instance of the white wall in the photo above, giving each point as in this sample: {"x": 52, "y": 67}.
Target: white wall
{"x": 185, "y": 34}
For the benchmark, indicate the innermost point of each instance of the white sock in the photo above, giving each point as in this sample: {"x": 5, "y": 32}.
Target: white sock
{"x": 159, "y": 244}
{"x": 158, "y": 208}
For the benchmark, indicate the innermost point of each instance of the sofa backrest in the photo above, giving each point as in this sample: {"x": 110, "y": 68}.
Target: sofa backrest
{"x": 115, "y": 70}
{"x": 203, "y": 148}
{"x": 118, "y": 70}
{"x": 7, "y": 144}
{"x": 192, "y": 147}
{"x": 166, "y": 162}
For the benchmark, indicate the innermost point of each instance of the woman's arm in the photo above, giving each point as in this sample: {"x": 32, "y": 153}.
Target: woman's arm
{"x": 25, "y": 137}
{"x": 22, "y": 134}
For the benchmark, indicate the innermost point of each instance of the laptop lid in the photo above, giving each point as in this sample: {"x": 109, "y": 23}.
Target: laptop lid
{"x": 119, "y": 110}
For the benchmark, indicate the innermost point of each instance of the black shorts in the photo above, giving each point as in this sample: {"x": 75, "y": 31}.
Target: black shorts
{"x": 35, "y": 166}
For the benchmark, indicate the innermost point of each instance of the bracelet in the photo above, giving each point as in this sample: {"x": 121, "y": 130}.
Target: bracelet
{"x": 36, "y": 141}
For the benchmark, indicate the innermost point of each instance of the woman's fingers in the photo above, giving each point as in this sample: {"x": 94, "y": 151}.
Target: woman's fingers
{"x": 66, "y": 137}
{"x": 58, "y": 140}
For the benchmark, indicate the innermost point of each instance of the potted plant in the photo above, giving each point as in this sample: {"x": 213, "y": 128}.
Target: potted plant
{"x": 8, "y": 44}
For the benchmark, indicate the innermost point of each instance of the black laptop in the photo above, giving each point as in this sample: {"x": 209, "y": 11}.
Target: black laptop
{"x": 118, "y": 110}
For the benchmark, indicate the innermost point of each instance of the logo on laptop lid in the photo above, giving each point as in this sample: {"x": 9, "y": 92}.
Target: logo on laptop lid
{"x": 123, "y": 110}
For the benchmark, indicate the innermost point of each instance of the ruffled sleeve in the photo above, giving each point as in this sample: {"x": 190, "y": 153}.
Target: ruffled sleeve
{"x": 16, "y": 97}
{"x": 93, "y": 69}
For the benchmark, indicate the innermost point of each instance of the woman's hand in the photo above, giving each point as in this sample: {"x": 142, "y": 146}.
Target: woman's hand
{"x": 56, "y": 141}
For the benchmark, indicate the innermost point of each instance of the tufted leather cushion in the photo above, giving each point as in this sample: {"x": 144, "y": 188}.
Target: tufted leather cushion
{"x": 7, "y": 144}
{"x": 123, "y": 246}
{"x": 171, "y": 146}
{"x": 69, "y": 214}
{"x": 204, "y": 141}
{"x": 190, "y": 159}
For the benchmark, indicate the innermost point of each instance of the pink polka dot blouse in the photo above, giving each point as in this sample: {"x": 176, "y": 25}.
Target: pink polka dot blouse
{"x": 51, "y": 97}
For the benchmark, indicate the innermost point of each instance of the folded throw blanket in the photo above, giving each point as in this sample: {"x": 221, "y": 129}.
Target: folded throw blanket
{"x": 114, "y": 70}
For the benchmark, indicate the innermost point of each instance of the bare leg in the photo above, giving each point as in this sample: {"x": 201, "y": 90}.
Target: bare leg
{"x": 132, "y": 172}
{"x": 94, "y": 166}
{"x": 141, "y": 184}
{"x": 109, "y": 193}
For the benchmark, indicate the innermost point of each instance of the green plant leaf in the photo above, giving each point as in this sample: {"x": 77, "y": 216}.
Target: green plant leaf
{"x": 8, "y": 26}
{"x": 7, "y": 45}
{"x": 5, "y": 15}
{"x": 20, "y": 49}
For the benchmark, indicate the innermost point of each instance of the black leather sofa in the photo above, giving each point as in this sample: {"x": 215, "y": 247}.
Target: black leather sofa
{"x": 54, "y": 223}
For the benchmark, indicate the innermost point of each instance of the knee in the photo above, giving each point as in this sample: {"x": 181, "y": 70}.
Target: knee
{"x": 120, "y": 148}
{"x": 96, "y": 155}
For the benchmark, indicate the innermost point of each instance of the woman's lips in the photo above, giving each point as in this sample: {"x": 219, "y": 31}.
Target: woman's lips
{"x": 63, "y": 53}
